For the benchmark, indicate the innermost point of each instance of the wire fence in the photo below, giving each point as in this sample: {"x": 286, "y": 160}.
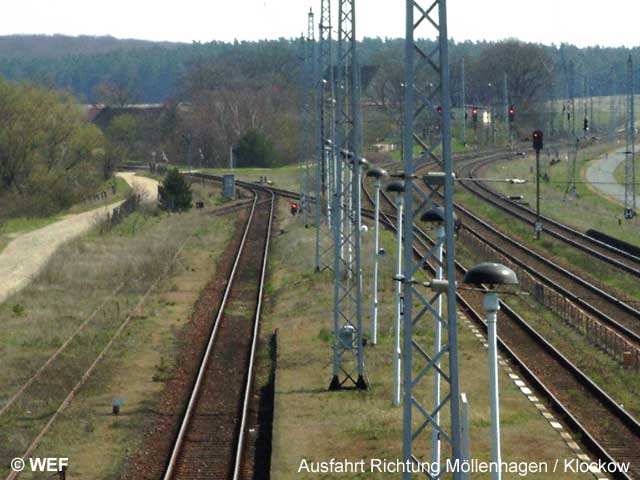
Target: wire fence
{"x": 596, "y": 333}
{"x": 119, "y": 213}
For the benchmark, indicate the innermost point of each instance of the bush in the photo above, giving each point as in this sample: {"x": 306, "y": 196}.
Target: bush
{"x": 255, "y": 150}
{"x": 175, "y": 193}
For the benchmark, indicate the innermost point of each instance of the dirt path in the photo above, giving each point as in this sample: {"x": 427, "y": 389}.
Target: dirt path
{"x": 147, "y": 186}
{"x": 28, "y": 253}
{"x": 600, "y": 174}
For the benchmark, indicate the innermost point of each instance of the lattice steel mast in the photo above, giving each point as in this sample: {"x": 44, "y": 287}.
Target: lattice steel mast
{"x": 630, "y": 152}
{"x": 612, "y": 106}
{"x": 430, "y": 17}
{"x": 348, "y": 353}
{"x": 464, "y": 108}
{"x": 327, "y": 102}
{"x": 308, "y": 95}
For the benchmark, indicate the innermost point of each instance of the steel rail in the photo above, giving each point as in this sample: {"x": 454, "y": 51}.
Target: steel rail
{"x": 558, "y": 230}
{"x": 254, "y": 342}
{"x": 88, "y": 372}
{"x": 612, "y": 300}
{"x": 598, "y": 393}
{"x": 177, "y": 447}
{"x": 608, "y": 402}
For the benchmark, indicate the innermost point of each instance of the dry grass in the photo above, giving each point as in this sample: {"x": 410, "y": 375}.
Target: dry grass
{"x": 312, "y": 423}
{"x": 13, "y": 227}
{"x": 78, "y": 278}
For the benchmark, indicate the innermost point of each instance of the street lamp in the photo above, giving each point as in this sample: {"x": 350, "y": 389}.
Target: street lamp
{"x": 436, "y": 217}
{"x": 377, "y": 173}
{"x": 492, "y": 274}
{"x": 397, "y": 188}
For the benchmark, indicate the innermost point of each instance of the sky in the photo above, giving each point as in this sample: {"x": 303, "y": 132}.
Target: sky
{"x": 580, "y": 22}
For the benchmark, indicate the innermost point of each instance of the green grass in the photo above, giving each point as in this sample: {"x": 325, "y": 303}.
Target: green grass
{"x": 603, "y": 214}
{"x": 623, "y": 386}
{"x": 315, "y": 424}
{"x": 80, "y": 276}
{"x": 16, "y": 226}
{"x": 456, "y": 147}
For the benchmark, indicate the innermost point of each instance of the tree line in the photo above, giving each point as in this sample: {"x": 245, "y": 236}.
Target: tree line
{"x": 51, "y": 157}
{"x": 218, "y": 97}
{"x": 153, "y": 72}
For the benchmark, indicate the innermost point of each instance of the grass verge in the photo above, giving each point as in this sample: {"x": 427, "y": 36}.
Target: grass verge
{"x": 314, "y": 424}
{"x": 80, "y": 276}
{"x": 13, "y": 227}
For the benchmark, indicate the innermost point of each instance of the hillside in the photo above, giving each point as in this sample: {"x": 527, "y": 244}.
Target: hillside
{"x": 56, "y": 46}
{"x": 153, "y": 71}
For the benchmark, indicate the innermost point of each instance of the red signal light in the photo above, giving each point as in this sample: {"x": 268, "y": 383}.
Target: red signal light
{"x": 537, "y": 140}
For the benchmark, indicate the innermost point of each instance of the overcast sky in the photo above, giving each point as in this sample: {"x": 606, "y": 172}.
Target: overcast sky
{"x": 581, "y": 22}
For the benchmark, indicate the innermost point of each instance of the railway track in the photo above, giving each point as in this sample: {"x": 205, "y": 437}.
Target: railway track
{"x": 33, "y": 381}
{"x": 606, "y": 253}
{"x": 606, "y": 429}
{"x": 211, "y": 439}
{"x": 603, "y": 426}
{"x": 601, "y": 304}
{"x": 608, "y": 309}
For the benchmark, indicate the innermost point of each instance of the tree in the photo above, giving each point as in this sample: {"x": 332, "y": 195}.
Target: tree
{"x": 122, "y": 135}
{"x": 175, "y": 193}
{"x": 255, "y": 150}
{"x": 115, "y": 94}
{"x": 42, "y": 132}
{"x": 526, "y": 65}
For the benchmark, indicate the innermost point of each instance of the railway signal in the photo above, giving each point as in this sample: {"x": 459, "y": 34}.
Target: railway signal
{"x": 586, "y": 124}
{"x": 294, "y": 209}
{"x": 474, "y": 115}
{"x": 537, "y": 146}
{"x": 537, "y": 140}
{"x": 512, "y": 113}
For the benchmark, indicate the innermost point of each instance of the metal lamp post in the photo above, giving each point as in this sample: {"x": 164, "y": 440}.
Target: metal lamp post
{"x": 436, "y": 217}
{"x": 398, "y": 189}
{"x": 377, "y": 174}
{"x": 492, "y": 274}
{"x": 358, "y": 164}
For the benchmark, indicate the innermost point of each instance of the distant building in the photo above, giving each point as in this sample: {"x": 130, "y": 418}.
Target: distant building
{"x": 101, "y": 115}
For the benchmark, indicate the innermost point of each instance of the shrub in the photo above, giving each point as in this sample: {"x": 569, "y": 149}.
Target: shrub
{"x": 175, "y": 193}
{"x": 255, "y": 149}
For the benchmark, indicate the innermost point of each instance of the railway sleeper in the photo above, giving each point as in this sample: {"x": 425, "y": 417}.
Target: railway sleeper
{"x": 614, "y": 344}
